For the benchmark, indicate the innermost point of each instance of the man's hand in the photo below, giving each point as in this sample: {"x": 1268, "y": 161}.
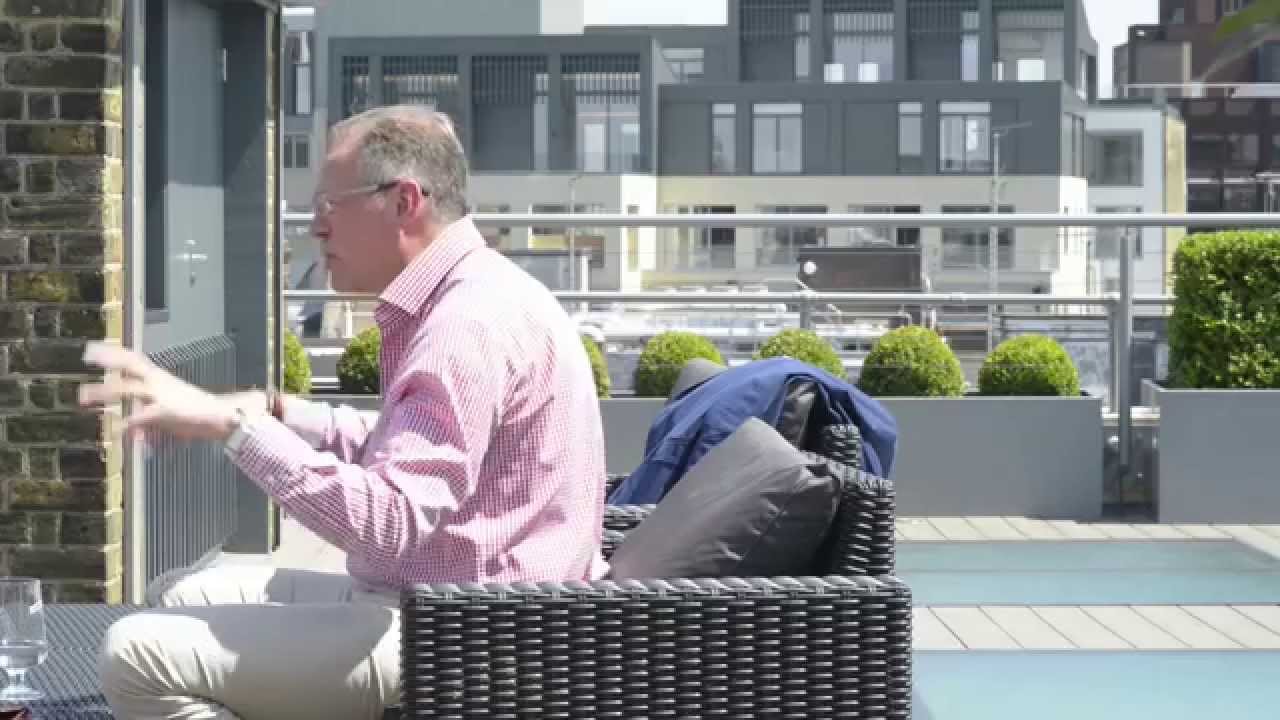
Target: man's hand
{"x": 162, "y": 402}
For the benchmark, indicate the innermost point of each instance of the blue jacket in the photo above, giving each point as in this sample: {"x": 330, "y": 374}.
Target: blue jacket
{"x": 694, "y": 423}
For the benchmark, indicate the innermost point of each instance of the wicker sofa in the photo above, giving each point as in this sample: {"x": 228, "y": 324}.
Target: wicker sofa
{"x": 832, "y": 641}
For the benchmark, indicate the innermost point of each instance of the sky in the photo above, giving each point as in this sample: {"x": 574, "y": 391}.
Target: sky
{"x": 1109, "y": 20}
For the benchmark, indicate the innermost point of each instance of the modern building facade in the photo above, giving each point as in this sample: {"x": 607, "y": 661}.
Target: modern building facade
{"x": 1228, "y": 93}
{"x": 805, "y": 106}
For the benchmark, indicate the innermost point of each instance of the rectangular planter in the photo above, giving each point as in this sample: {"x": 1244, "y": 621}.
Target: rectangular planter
{"x": 626, "y": 426}
{"x": 1218, "y": 460}
{"x": 1033, "y": 456}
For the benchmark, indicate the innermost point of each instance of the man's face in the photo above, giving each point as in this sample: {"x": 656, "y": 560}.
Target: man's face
{"x": 357, "y": 226}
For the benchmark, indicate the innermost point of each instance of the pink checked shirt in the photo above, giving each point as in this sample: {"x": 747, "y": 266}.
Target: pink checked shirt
{"x": 486, "y": 463}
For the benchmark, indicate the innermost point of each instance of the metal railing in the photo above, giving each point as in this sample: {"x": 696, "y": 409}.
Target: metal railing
{"x": 1118, "y": 307}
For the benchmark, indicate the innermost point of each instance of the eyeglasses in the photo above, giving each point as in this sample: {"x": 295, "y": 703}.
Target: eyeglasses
{"x": 325, "y": 202}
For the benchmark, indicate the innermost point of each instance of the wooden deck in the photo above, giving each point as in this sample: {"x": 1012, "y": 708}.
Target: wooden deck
{"x": 1093, "y": 627}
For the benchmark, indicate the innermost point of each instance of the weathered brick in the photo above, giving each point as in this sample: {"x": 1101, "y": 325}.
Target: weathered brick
{"x": 10, "y": 175}
{"x": 90, "y": 38}
{"x": 86, "y": 249}
{"x": 43, "y": 462}
{"x": 83, "y": 464}
{"x": 48, "y": 357}
{"x": 61, "y": 8}
{"x": 44, "y": 139}
{"x": 38, "y": 495}
{"x": 10, "y": 105}
{"x": 54, "y": 428}
{"x": 42, "y": 249}
{"x": 44, "y": 37}
{"x": 12, "y": 394}
{"x": 85, "y": 106}
{"x": 61, "y": 563}
{"x": 87, "y": 324}
{"x": 13, "y": 323}
{"x": 15, "y": 528}
{"x": 40, "y": 106}
{"x": 86, "y": 177}
{"x": 61, "y": 71}
{"x": 61, "y": 287}
{"x": 45, "y": 528}
{"x": 46, "y": 322}
{"x": 10, "y": 37}
{"x": 91, "y": 529}
{"x": 11, "y": 462}
{"x": 39, "y": 177}
{"x": 56, "y": 212}
{"x": 43, "y": 394}
{"x": 13, "y": 248}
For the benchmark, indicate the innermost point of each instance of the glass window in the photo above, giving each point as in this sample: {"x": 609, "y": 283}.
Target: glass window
{"x": 686, "y": 248}
{"x": 541, "y": 124}
{"x": 779, "y": 246}
{"x": 802, "y": 45}
{"x": 686, "y": 63}
{"x": 967, "y": 247}
{"x": 1110, "y": 239}
{"x": 1029, "y": 45}
{"x": 969, "y": 48}
{"x": 778, "y": 139}
{"x": 606, "y": 92}
{"x": 298, "y": 48}
{"x": 861, "y": 47}
{"x": 724, "y": 138}
{"x": 1115, "y": 160}
{"x": 297, "y": 152}
{"x": 863, "y": 236}
{"x": 910, "y": 138}
{"x": 964, "y": 137}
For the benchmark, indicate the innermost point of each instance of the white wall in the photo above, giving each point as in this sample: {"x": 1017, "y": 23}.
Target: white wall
{"x": 1149, "y": 197}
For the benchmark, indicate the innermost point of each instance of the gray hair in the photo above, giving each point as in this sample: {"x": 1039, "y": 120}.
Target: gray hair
{"x": 411, "y": 141}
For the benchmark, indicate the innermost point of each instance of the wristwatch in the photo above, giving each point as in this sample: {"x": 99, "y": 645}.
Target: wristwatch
{"x": 235, "y": 441}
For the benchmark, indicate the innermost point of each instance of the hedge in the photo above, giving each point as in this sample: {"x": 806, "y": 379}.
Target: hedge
{"x": 359, "y": 372}
{"x": 664, "y": 356}
{"x": 1029, "y": 365}
{"x": 805, "y": 346}
{"x": 599, "y": 367}
{"x": 297, "y": 366}
{"x": 1225, "y": 328}
{"x": 911, "y": 361}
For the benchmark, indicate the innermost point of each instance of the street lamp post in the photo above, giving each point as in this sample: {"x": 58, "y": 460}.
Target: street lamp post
{"x": 993, "y": 239}
{"x": 573, "y": 257}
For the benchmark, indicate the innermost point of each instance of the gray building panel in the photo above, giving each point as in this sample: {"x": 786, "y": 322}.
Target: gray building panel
{"x": 687, "y": 152}
{"x": 870, "y": 138}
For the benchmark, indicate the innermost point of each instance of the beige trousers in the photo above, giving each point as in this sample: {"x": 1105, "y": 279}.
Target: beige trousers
{"x": 254, "y": 643}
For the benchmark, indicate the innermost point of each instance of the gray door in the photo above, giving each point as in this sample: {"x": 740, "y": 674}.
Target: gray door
{"x": 192, "y": 217}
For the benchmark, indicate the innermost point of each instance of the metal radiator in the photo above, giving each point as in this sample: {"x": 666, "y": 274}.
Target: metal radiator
{"x": 190, "y": 486}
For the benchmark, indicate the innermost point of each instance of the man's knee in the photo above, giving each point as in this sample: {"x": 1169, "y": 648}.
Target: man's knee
{"x": 127, "y": 659}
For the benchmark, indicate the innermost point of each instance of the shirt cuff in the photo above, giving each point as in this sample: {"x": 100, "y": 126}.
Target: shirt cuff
{"x": 268, "y": 452}
{"x": 310, "y": 420}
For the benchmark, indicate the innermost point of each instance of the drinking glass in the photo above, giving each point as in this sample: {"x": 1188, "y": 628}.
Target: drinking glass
{"x": 23, "y": 645}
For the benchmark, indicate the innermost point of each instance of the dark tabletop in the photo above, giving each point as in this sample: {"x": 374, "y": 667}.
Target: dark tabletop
{"x": 69, "y": 677}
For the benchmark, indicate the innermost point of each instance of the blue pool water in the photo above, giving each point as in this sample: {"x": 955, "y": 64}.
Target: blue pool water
{"x": 1096, "y": 685}
{"x": 1088, "y": 573}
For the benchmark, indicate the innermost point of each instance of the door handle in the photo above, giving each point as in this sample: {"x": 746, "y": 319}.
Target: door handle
{"x": 192, "y": 257}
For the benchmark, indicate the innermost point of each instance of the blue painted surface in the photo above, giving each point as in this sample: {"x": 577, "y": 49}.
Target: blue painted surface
{"x": 995, "y": 685}
{"x": 1088, "y": 573}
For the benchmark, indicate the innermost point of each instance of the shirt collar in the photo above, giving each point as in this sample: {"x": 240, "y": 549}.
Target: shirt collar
{"x": 410, "y": 289}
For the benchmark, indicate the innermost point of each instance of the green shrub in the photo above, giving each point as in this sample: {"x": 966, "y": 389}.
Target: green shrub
{"x": 297, "y": 366}
{"x": 805, "y": 346}
{"x": 1029, "y": 365}
{"x": 1225, "y": 328}
{"x": 911, "y": 361}
{"x": 664, "y": 356}
{"x": 599, "y": 367}
{"x": 359, "y": 372}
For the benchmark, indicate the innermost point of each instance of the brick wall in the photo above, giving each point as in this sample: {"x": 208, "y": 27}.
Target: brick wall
{"x": 60, "y": 284}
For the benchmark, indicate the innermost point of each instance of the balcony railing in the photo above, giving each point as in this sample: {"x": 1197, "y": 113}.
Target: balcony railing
{"x": 1117, "y": 308}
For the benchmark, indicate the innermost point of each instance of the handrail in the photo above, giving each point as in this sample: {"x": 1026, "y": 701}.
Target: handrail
{"x": 983, "y": 220}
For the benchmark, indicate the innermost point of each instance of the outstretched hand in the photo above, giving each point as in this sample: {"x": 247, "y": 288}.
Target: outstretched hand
{"x": 161, "y": 401}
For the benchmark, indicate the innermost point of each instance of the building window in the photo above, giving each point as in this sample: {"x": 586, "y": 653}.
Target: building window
{"x": 606, "y": 93}
{"x": 780, "y": 246}
{"x": 509, "y": 112}
{"x": 724, "y": 138}
{"x": 297, "y": 152}
{"x": 633, "y": 242}
{"x": 778, "y": 136}
{"x": 910, "y": 137}
{"x": 1231, "y": 7}
{"x": 1115, "y": 159}
{"x": 861, "y": 45}
{"x": 687, "y": 248}
{"x": 967, "y": 247}
{"x": 427, "y": 80}
{"x": 584, "y": 238}
{"x": 1110, "y": 239}
{"x": 944, "y": 40}
{"x": 964, "y": 137}
{"x": 895, "y": 236}
{"x": 802, "y": 41}
{"x": 775, "y": 40}
{"x": 356, "y": 93}
{"x": 1029, "y": 45}
{"x": 686, "y": 63}
{"x": 298, "y": 50}
{"x": 498, "y": 238}
{"x": 541, "y": 124}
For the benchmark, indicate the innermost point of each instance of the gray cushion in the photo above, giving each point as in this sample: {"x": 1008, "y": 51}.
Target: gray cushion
{"x": 752, "y": 506}
{"x": 694, "y": 373}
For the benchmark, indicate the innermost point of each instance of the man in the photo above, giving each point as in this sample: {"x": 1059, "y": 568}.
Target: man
{"x": 486, "y": 463}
